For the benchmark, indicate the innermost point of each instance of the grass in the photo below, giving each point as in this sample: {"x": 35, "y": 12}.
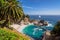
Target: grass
{"x": 7, "y": 34}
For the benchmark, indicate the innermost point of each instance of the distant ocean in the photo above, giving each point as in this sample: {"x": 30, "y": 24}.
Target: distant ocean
{"x": 50, "y": 18}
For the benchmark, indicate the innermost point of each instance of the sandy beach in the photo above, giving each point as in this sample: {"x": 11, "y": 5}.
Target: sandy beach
{"x": 18, "y": 27}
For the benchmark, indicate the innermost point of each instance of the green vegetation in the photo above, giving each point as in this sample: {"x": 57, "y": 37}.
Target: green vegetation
{"x": 11, "y": 35}
{"x": 27, "y": 16}
{"x": 56, "y": 30}
{"x": 10, "y": 11}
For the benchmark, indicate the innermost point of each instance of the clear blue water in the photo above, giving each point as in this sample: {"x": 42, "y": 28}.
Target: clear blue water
{"x": 51, "y": 18}
{"x": 37, "y": 32}
{"x": 33, "y": 31}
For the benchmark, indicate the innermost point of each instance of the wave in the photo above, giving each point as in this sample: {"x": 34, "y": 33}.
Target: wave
{"x": 36, "y": 30}
{"x": 49, "y": 25}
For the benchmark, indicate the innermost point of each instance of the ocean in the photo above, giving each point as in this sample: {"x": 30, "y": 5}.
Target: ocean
{"x": 50, "y": 18}
{"x": 38, "y": 32}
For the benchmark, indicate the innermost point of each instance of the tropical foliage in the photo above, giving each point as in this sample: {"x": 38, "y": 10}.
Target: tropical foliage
{"x": 10, "y": 12}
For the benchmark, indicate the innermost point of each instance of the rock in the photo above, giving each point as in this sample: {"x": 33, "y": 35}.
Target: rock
{"x": 45, "y": 23}
{"x": 42, "y": 23}
{"x": 57, "y": 38}
{"x": 39, "y": 23}
{"x": 35, "y": 22}
{"x": 47, "y": 35}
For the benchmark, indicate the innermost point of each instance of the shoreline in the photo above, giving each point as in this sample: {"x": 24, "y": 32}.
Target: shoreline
{"x": 19, "y": 29}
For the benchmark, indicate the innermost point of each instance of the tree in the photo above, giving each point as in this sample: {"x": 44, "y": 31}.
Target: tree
{"x": 27, "y": 16}
{"x": 10, "y": 11}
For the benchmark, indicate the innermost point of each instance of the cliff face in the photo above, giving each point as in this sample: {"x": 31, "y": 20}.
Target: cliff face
{"x": 48, "y": 36}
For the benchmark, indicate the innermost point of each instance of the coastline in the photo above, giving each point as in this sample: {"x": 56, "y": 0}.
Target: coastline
{"x": 19, "y": 29}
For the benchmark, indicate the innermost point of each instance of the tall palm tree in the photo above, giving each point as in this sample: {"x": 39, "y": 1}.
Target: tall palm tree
{"x": 11, "y": 12}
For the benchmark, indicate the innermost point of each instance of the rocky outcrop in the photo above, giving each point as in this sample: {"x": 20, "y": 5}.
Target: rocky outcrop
{"x": 48, "y": 36}
{"x": 42, "y": 23}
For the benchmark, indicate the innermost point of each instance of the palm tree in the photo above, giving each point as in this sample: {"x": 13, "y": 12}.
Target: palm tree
{"x": 11, "y": 12}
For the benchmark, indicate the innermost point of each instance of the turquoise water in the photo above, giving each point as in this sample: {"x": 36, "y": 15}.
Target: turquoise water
{"x": 35, "y": 31}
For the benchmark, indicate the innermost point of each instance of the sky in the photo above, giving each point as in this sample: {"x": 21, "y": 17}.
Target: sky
{"x": 41, "y": 7}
